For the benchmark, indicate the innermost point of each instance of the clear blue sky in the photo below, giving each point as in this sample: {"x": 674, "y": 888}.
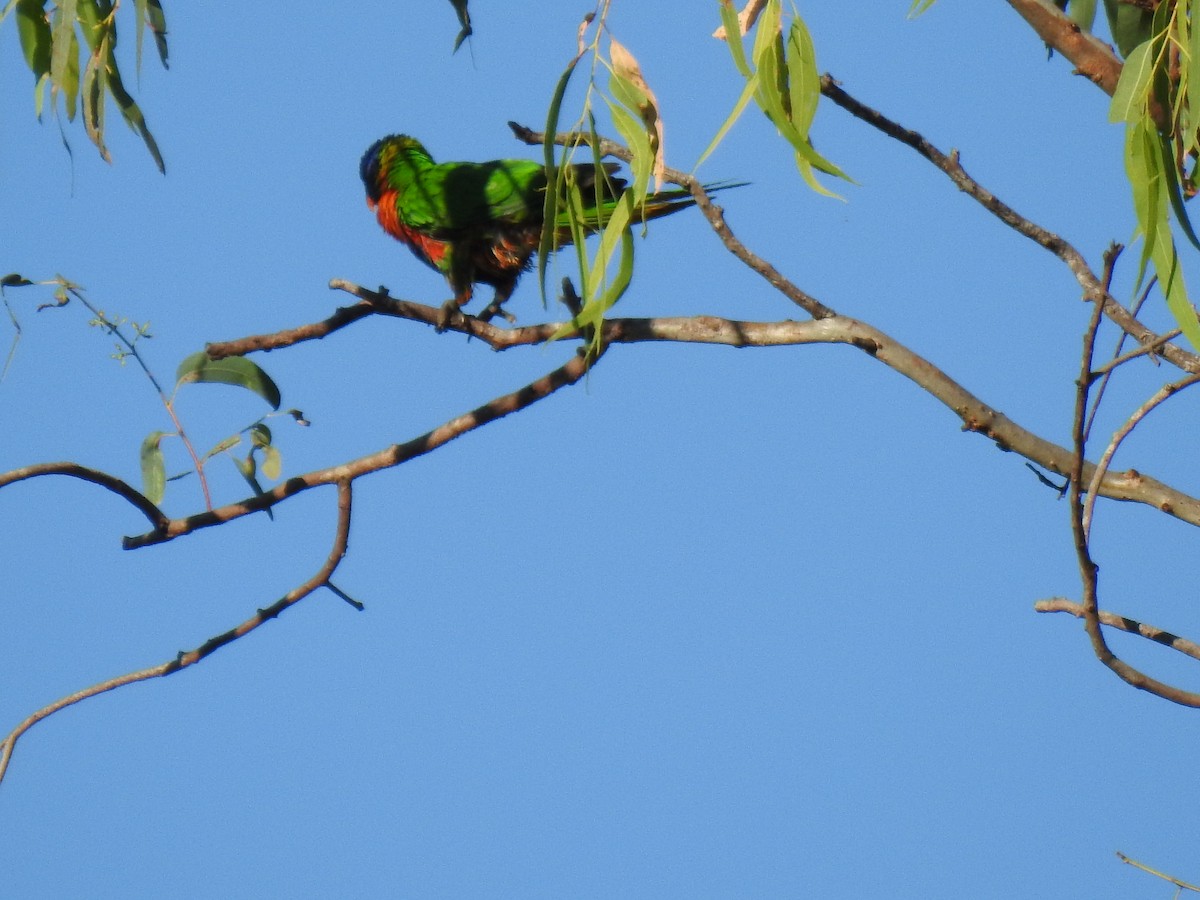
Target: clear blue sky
{"x": 716, "y": 623}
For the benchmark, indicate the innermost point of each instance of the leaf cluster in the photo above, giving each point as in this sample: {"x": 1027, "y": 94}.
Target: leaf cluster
{"x": 70, "y": 47}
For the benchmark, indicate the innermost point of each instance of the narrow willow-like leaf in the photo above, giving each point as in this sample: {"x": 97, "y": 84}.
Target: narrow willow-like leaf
{"x": 154, "y": 470}
{"x": 158, "y": 25}
{"x": 132, "y": 112}
{"x": 34, "y": 32}
{"x": 804, "y": 82}
{"x": 235, "y": 370}
{"x": 464, "y": 20}
{"x": 1174, "y": 190}
{"x": 1133, "y": 87}
{"x": 1191, "y": 77}
{"x": 1170, "y": 282}
{"x": 733, "y": 37}
{"x": 70, "y": 85}
{"x": 223, "y": 445}
{"x": 768, "y": 33}
{"x": 1141, "y": 139}
{"x": 748, "y": 93}
{"x": 1129, "y": 25}
{"x": 63, "y": 25}
{"x": 629, "y": 85}
{"x": 550, "y": 205}
{"x": 139, "y": 8}
{"x": 635, "y": 137}
{"x": 918, "y": 7}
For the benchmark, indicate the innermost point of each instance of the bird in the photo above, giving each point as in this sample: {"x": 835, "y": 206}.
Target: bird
{"x": 481, "y": 222}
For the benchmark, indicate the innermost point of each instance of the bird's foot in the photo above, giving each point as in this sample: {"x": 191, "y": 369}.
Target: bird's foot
{"x": 496, "y": 308}
{"x": 449, "y": 310}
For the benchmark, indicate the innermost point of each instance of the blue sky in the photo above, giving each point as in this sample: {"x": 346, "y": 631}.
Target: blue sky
{"x": 716, "y": 623}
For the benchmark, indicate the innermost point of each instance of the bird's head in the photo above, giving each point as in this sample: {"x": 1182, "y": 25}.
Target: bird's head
{"x": 380, "y": 159}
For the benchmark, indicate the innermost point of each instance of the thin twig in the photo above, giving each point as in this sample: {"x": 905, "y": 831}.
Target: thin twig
{"x": 191, "y": 657}
{"x": 1122, "y": 623}
{"x": 950, "y": 165}
{"x": 1160, "y": 396}
{"x": 1163, "y": 875}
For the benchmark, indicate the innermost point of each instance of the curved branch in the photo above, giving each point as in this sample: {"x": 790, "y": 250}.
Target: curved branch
{"x": 190, "y": 658}
{"x": 1089, "y": 572}
{"x": 73, "y": 470}
{"x": 1160, "y": 396}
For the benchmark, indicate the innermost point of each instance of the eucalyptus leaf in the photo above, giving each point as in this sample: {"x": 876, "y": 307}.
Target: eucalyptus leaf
{"x": 235, "y": 370}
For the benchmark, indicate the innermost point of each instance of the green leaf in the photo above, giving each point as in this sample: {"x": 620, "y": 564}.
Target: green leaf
{"x": 804, "y": 82}
{"x": 1174, "y": 190}
{"x": 1133, "y": 87}
{"x": 1129, "y": 25}
{"x": 1083, "y": 14}
{"x": 223, "y": 445}
{"x": 550, "y": 207}
{"x": 918, "y": 7}
{"x": 154, "y": 471}
{"x": 748, "y": 92}
{"x": 158, "y": 25}
{"x": 34, "y": 31}
{"x": 260, "y": 435}
{"x": 246, "y": 468}
{"x": 464, "y": 19}
{"x": 70, "y": 84}
{"x": 1145, "y": 179}
{"x": 63, "y": 26}
{"x": 733, "y": 37}
{"x": 14, "y": 280}
{"x": 1170, "y": 281}
{"x": 131, "y": 111}
{"x": 1190, "y": 81}
{"x": 272, "y": 464}
{"x": 235, "y": 370}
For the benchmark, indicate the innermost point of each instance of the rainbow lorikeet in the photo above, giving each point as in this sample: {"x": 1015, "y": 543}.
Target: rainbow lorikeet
{"x": 480, "y": 223}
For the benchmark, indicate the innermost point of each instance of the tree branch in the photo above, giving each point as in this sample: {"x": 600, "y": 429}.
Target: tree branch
{"x": 1093, "y": 287}
{"x": 190, "y": 658}
{"x": 1122, "y": 623}
{"x": 136, "y": 498}
{"x": 1088, "y": 570}
{"x": 1092, "y": 58}
{"x": 502, "y": 406}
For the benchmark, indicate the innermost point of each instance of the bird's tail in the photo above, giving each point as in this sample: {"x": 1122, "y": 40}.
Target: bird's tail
{"x": 663, "y": 203}
{"x": 655, "y": 206}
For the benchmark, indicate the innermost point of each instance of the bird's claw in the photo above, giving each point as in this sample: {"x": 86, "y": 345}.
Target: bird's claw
{"x": 448, "y": 311}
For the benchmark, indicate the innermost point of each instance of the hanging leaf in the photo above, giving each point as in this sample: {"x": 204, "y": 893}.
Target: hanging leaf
{"x": 629, "y": 86}
{"x": 464, "y": 19}
{"x": 154, "y": 471}
{"x": 235, "y": 371}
